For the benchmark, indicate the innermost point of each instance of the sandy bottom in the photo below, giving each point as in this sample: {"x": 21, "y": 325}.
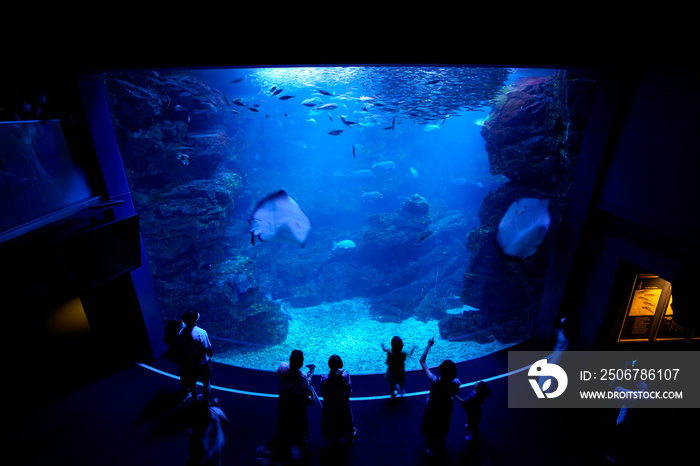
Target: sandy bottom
{"x": 346, "y": 329}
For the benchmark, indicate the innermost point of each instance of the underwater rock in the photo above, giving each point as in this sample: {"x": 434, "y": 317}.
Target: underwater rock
{"x": 169, "y": 128}
{"x": 247, "y": 317}
{"x": 533, "y": 137}
{"x": 381, "y": 220}
{"x": 240, "y": 283}
{"x": 415, "y": 208}
{"x": 207, "y": 149}
{"x": 334, "y": 281}
{"x": 420, "y": 281}
{"x": 522, "y": 132}
{"x": 393, "y": 236}
{"x": 533, "y": 132}
{"x": 229, "y": 300}
{"x": 182, "y": 230}
{"x": 135, "y": 104}
{"x": 482, "y": 327}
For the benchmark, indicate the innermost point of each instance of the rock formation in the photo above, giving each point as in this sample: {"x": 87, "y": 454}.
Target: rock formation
{"x": 533, "y": 136}
{"x": 172, "y": 137}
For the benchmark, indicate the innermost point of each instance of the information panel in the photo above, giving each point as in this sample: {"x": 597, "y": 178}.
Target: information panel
{"x": 645, "y": 308}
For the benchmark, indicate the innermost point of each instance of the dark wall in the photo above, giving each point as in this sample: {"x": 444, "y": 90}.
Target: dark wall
{"x": 64, "y": 260}
{"x": 642, "y": 211}
{"x": 652, "y": 178}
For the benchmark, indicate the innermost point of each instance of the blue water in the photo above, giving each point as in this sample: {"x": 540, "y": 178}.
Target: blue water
{"x": 292, "y": 149}
{"x": 403, "y": 135}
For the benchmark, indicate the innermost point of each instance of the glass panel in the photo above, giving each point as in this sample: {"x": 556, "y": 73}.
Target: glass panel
{"x": 38, "y": 176}
{"x": 404, "y": 175}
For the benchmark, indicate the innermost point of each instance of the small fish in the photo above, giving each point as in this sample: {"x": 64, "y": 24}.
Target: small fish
{"x": 324, "y": 92}
{"x": 345, "y": 244}
{"x": 329, "y": 106}
{"x": 386, "y": 165}
{"x": 431, "y": 127}
{"x": 311, "y": 120}
{"x": 268, "y": 296}
{"x": 362, "y": 173}
{"x": 414, "y": 172}
{"x": 252, "y": 109}
{"x": 273, "y": 88}
{"x": 278, "y": 91}
{"x": 285, "y": 310}
{"x": 237, "y": 80}
{"x": 286, "y": 97}
{"x": 372, "y": 195}
{"x": 393, "y": 123}
{"x": 311, "y": 102}
{"x": 353, "y": 152}
{"x": 346, "y": 122}
{"x": 422, "y": 236}
{"x": 238, "y": 102}
{"x": 184, "y": 158}
{"x": 335, "y": 132}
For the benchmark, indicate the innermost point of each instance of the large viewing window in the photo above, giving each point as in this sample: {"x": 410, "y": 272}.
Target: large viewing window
{"x": 329, "y": 209}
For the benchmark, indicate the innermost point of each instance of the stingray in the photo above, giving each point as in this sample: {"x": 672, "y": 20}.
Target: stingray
{"x": 279, "y": 218}
{"x": 523, "y": 227}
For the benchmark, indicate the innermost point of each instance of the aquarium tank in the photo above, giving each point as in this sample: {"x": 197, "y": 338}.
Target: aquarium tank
{"x": 329, "y": 209}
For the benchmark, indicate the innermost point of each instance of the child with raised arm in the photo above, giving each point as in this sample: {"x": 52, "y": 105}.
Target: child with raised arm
{"x": 396, "y": 366}
{"x": 438, "y": 406}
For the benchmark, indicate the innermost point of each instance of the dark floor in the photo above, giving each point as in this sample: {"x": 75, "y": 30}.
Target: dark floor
{"x": 76, "y": 408}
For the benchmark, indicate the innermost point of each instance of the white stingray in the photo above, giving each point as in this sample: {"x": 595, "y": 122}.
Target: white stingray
{"x": 523, "y": 227}
{"x": 279, "y": 218}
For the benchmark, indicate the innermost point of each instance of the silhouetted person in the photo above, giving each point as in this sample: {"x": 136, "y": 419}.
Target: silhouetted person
{"x": 195, "y": 344}
{"x": 472, "y": 405}
{"x": 631, "y": 424}
{"x": 175, "y": 353}
{"x": 295, "y": 396}
{"x": 565, "y": 339}
{"x": 336, "y": 417}
{"x": 396, "y": 366}
{"x": 205, "y": 435}
{"x": 438, "y": 406}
